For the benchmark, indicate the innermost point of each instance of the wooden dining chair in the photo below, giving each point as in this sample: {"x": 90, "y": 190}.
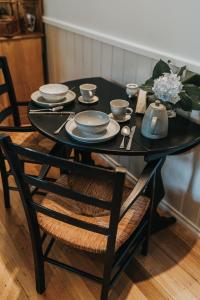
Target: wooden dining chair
{"x": 22, "y": 135}
{"x": 88, "y": 208}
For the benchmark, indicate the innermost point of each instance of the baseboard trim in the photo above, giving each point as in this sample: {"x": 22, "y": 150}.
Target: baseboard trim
{"x": 124, "y": 44}
{"x": 164, "y": 205}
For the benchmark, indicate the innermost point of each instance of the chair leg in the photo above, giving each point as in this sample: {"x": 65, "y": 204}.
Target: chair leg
{"x": 106, "y": 279}
{"x": 4, "y": 178}
{"x": 36, "y": 242}
{"x": 105, "y": 291}
{"x": 40, "y": 278}
{"x": 39, "y": 274}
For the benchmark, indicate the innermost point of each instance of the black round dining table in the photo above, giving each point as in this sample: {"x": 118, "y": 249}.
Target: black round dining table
{"x": 182, "y": 135}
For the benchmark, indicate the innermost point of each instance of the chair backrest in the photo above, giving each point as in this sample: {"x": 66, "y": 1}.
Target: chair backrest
{"x": 24, "y": 181}
{"x": 7, "y": 87}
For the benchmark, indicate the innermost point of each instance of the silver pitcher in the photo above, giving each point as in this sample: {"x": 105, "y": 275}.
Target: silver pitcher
{"x": 155, "y": 121}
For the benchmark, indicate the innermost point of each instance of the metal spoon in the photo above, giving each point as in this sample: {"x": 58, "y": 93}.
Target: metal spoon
{"x": 57, "y": 108}
{"x": 125, "y": 131}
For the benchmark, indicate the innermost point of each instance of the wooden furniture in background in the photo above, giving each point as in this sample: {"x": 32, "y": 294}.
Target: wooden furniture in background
{"x": 25, "y": 59}
{"x": 24, "y": 51}
{"x": 33, "y": 8}
{"x": 9, "y": 18}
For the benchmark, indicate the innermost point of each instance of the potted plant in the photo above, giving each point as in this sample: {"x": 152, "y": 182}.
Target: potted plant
{"x": 177, "y": 87}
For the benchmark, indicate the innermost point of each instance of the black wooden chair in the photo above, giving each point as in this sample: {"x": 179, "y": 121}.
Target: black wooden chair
{"x": 22, "y": 135}
{"x": 88, "y": 208}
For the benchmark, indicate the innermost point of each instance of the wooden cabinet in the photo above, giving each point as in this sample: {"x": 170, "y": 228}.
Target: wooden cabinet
{"x": 24, "y": 55}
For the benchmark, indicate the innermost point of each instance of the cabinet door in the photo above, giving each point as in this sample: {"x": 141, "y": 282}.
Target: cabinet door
{"x": 26, "y": 66}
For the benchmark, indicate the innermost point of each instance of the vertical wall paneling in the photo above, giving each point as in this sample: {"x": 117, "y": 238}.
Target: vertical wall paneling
{"x": 106, "y": 63}
{"x": 143, "y": 69}
{"x": 130, "y": 67}
{"x": 50, "y": 54}
{"x": 87, "y": 57}
{"x": 78, "y": 56}
{"x": 96, "y": 58}
{"x": 62, "y": 54}
{"x": 72, "y": 56}
{"x": 118, "y": 64}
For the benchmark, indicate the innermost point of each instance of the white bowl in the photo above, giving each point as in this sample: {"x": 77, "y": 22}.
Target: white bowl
{"x": 91, "y": 121}
{"x": 53, "y": 92}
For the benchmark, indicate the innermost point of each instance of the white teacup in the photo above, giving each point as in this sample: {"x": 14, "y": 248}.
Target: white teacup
{"x": 120, "y": 109}
{"x": 87, "y": 91}
{"x": 131, "y": 89}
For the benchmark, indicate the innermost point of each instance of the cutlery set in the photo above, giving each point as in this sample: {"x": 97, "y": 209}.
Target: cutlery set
{"x": 127, "y": 132}
{"x": 61, "y": 113}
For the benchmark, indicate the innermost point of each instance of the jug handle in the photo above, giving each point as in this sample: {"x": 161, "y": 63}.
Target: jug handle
{"x": 153, "y": 124}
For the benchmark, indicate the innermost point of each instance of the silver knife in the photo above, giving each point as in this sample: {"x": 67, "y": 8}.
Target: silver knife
{"x": 50, "y": 112}
{"x": 131, "y": 138}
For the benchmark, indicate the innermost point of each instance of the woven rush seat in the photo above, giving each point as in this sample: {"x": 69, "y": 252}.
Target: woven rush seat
{"x": 80, "y": 238}
{"x": 33, "y": 140}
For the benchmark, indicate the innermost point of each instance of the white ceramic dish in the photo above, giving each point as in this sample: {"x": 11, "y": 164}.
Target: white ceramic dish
{"x": 111, "y": 131}
{"x": 126, "y": 119}
{"x": 92, "y": 121}
{"x": 40, "y": 101}
{"x": 92, "y": 100}
{"x": 53, "y": 92}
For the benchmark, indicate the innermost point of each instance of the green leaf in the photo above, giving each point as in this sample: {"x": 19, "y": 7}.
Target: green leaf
{"x": 193, "y": 92}
{"x": 185, "y": 103}
{"x": 147, "y": 86}
{"x": 149, "y": 82}
{"x": 182, "y": 69}
{"x": 160, "y": 68}
{"x": 189, "y": 76}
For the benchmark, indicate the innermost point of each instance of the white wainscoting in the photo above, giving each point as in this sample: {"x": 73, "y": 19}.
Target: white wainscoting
{"x": 72, "y": 56}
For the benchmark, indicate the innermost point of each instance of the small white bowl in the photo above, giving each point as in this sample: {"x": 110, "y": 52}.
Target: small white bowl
{"x": 91, "y": 121}
{"x": 53, "y": 92}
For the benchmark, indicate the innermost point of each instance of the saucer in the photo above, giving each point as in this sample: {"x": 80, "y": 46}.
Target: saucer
{"x": 111, "y": 131}
{"x": 40, "y": 101}
{"x": 127, "y": 118}
{"x": 93, "y": 100}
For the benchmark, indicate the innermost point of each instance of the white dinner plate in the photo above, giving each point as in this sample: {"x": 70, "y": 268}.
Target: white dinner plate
{"x": 40, "y": 101}
{"x": 111, "y": 131}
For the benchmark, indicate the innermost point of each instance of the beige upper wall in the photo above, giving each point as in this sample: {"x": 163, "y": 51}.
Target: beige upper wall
{"x": 150, "y": 27}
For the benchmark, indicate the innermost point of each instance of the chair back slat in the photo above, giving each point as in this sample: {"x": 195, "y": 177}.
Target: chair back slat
{"x": 7, "y": 87}
{"x": 70, "y": 220}
{"x": 64, "y": 164}
{"x": 66, "y": 192}
{"x": 3, "y": 88}
{"x": 5, "y": 113}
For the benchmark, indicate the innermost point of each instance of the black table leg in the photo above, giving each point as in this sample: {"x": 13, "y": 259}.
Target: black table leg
{"x": 159, "y": 222}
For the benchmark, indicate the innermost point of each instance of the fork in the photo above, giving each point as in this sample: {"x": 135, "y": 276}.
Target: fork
{"x": 71, "y": 116}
